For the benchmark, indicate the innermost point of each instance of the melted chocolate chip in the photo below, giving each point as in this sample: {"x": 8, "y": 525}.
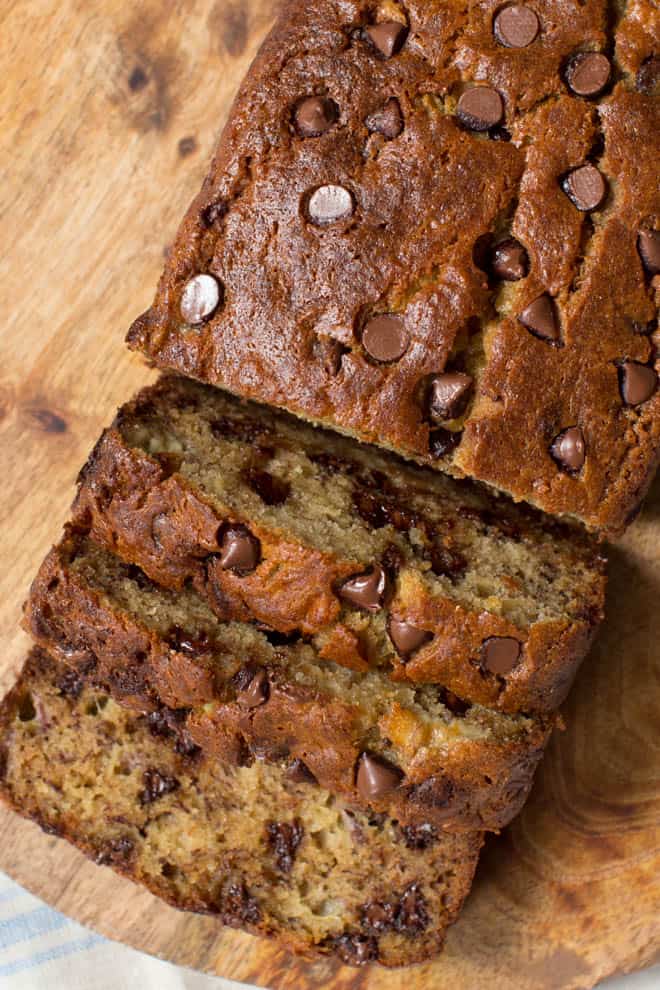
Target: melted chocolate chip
{"x": 447, "y": 563}
{"x": 253, "y": 686}
{"x": 648, "y": 246}
{"x": 269, "y": 488}
{"x": 328, "y": 204}
{"x": 406, "y": 637}
{"x": 568, "y": 450}
{"x": 284, "y": 839}
{"x": 240, "y": 551}
{"x": 376, "y": 776}
{"x": 419, "y": 836}
{"x": 314, "y": 115}
{"x": 366, "y": 590}
{"x": 299, "y": 773}
{"x": 117, "y": 851}
{"x": 383, "y": 510}
{"x": 449, "y": 395}
{"x": 388, "y": 121}
{"x": 387, "y": 37}
{"x": 185, "y": 642}
{"x": 516, "y": 26}
{"x": 385, "y": 338}
{"x": 508, "y": 260}
{"x": 406, "y": 914}
{"x": 637, "y": 382}
{"x": 238, "y": 905}
{"x": 500, "y": 654}
{"x": 200, "y": 299}
{"x": 355, "y": 949}
{"x": 480, "y": 108}
{"x": 588, "y": 73}
{"x": 235, "y": 428}
{"x": 442, "y": 442}
{"x": 540, "y": 318}
{"x": 648, "y": 76}
{"x": 585, "y": 187}
{"x": 156, "y": 785}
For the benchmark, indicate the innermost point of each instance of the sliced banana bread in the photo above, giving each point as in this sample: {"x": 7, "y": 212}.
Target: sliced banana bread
{"x": 253, "y": 845}
{"x": 377, "y": 562}
{"x": 418, "y": 753}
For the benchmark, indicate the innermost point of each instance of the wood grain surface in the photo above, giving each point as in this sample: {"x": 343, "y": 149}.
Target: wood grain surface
{"x": 110, "y": 111}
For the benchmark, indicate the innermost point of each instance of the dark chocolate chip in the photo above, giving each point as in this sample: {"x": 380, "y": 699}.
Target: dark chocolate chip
{"x": 270, "y": 489}
{"x": 235, "y": 428}
{"x": 327, "y": 204}
{"x": 366, "y": 590}
{"x": 376, "y": 776}
{"x": 70, "y": 684}
{"x": 387, "y": 37}
{"x": 185, "y": 642}
{"x": 516, "y": 26}
{"x": 568, "y": 449}
{"x": 588, "y": 73}
{"x": 540, "y": 318}
{"x": 500, "y": 654}
{"x": 200, "y": 299}
{"x": 117, "y": 851}
{"x": 648, "y": 75}
{"x": 385, "y": 338}
{"x": 508, "y": 260}
{"x": 637, "y": 382}
{"x": 442, "y": 442}
{"x": 406, "y": 637}
{"x": 411, "y": 916}
{"x": 299, "y": 773}
{"x": 419, "y": 836}
{"x": 648, "y": 246}
{"x": 238, "y": 905}
{"x": 355, "y": 949}
{"x": 449, "y": 394}
{"x": 585, "y": 187}
{"x": 284, "y": 839}
{"x": 447, "y": 563}
{"x": 256, "y": 690}
{"x": 480, "y": 108}
{"x": 240, "y": 551}
{"x": 156, "y": 785}
{"x": 315, "y": 115}
{"x": 388, "y": 121}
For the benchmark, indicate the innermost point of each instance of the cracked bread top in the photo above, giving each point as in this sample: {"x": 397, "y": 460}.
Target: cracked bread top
{"x": 435, "y": 226}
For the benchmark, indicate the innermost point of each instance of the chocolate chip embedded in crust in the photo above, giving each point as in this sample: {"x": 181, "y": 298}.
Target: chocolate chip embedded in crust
{"x": 406, "y": 637}
{"x": 508, "y": 260}
{"x": 366, "y": 590}
{"x": 387, "y": 37}
{"x": 500, "y": 654}
{"x": 637, "y": 382}
{"x": 388, "y": 121}
{"x": 648, "y": 246}
{"x": 449, "y": 394}
{"x": 385, "y": 338}
{"x": 376, "y": 777}
{"x": 568, "y": 449}
{"x": 442, "y": 442}
{"x": 314, "y": 115}
{"x": 648, "y": 75}
{"x": 588, "y": 73}
{"x": 200, "y": 299}
{"x": 585, "y": 187}
{"x": 516, "y": 26}
{"x": 327, "y": 204}
{"x": 540, "y": 318}
{"x": 419, "y": 836}
{"x": 480, "y": 108}
{"x": 240, "y": 551}
{"x": 355, "y": 949}
{"x": 256, "y": 690}
{"x": 284, "y": 839}
{"x": 156, "y": 785}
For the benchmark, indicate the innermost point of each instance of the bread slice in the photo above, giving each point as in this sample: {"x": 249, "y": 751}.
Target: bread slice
{"x": 416, "y": 753}
{"x": 378, "y": 563}
{"x": 252, "y": 845}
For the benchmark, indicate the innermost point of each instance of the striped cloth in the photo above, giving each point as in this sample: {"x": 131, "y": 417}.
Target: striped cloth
{"x": 41, "y": 949}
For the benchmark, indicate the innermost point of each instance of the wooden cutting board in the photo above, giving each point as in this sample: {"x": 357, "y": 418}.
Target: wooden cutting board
{"x": 109, "y": 112}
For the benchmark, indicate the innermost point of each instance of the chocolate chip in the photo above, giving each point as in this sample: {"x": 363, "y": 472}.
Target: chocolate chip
{"x": 270, "y": 489}
{"x": 447, "y": 563}
{"x": 376, "y": 776}
{"x": 480, "y": 108}
{"x": 648, "y": 246}
{"x": 387, "y": 37}
{"x": 637, "y": 382}
{"x": 327, "y": 204}
{"x": 257, "y": 689}
{"x": 540, "y": 318}
{"x": 238, "y": 905}
{"x": 449, "y": 394}
{"x": 516, "y": 26}
{"x": 200, "y": 299}
{"x": 385, "y": 338}
{"x": 585, "y": 187}
{"x": 116, "y": 852}
{"x": 648, "y": 75}
{"x": 588, "y": 73}
{"x": 185, "y": 642}
{"x": 442, "y": 442}
{"x": 568, "y": 449}
{"x": 299, "y": 773}
{"x": 406, "y": 637}
{"x": 508, "y": 260}
{"x": 240, "y": 551}
{"x": 500, "y": 654}
{"x": 388, "y": 121}
{"x": 411, "y": 916}
{"x": 156, "y": 785}
{"x": 284, "y": 839}
{"x": 315, "y": 115}
{"x": 419, "y": 836}
{"x": 355, "y": 949}
{"x": 70, "y": 684}
{"x": 366, "y": 590}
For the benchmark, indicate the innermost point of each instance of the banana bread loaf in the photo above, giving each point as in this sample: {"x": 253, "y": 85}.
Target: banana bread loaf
{"x": 263, "y": 851}
{"x": 437, "y": 227}
{"x": 419, "y": 754}
{"x": 377, "y": 562}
